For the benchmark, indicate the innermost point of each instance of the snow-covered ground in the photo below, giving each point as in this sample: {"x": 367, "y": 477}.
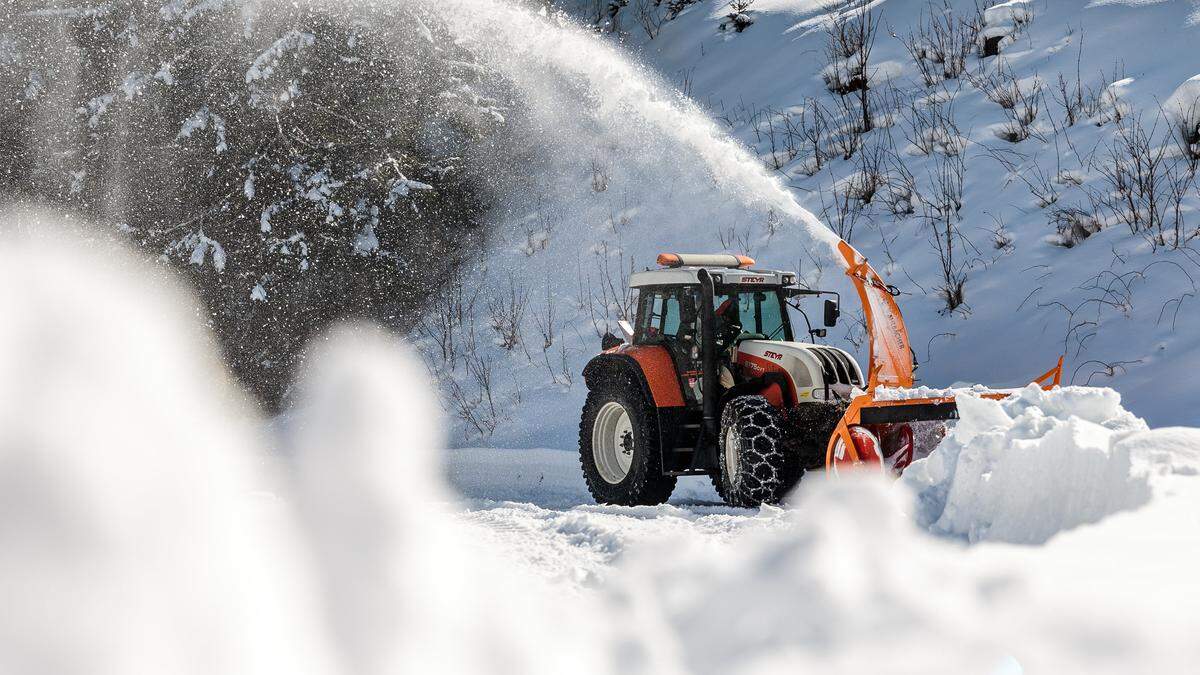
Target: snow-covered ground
{"x": 149, "y": 525}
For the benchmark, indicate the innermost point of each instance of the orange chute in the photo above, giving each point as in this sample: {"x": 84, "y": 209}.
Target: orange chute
{"x": 890, "y": 363}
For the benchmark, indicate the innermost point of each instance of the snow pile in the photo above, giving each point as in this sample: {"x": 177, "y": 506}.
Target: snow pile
{"x": 404, "y": 587}
{"x": 128, "y": 538}
{"x": 1025, "y": 468}
{"x": 1002, "y": 22}
{"x": 1184, "y": 108}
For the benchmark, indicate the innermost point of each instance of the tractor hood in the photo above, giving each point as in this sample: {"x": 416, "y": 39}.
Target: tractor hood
{"x": 817, "y": 372}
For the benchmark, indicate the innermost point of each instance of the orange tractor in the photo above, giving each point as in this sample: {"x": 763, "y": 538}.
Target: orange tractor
{"x": 714, "y": 380}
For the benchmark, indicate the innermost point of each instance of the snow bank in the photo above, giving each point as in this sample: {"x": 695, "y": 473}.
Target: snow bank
{"x": 131, "y": 539}
{"x": 404, "y": 587}
{"x": 1184, "y": 109}
{"x": 1025, "y": 468}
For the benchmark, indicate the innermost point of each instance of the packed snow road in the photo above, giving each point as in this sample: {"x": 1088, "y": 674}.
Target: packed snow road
{"x": 533, "y": 507}
{"x": 1104, "y": 509}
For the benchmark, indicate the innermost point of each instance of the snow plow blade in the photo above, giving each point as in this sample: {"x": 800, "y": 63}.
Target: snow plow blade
{"x": 883, "y": 426}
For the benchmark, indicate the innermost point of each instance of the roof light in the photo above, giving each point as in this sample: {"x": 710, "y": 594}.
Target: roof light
{"x": 704, "y": 260}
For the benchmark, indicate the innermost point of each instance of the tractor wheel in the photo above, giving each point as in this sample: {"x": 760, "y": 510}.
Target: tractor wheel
{"x": 755, "y": 467}
{"x": 619, "y": 446}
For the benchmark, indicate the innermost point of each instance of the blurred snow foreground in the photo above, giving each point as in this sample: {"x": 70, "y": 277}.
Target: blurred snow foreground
{"x": 145, "y": 527}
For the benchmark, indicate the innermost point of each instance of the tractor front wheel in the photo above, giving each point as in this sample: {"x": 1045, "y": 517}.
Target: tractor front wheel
{"x": 619, "y": 446}
{"x": 755, "y": 466}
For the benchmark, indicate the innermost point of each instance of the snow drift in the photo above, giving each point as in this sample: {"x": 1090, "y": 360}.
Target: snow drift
{"x": 139, "y": 534}
{"x": 129, "y": 541}
{"x": 1022, "y": 469}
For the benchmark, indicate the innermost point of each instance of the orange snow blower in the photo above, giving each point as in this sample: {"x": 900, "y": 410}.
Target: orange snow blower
{"x": 869, "y": 417}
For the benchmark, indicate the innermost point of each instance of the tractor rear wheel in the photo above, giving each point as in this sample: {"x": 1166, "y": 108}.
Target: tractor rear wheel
{"x": 619, "y": 447}
{"x": 755, "y": 466}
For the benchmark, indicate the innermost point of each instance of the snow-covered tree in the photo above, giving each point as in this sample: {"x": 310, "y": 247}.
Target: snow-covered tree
{"x": 300, "y": 162}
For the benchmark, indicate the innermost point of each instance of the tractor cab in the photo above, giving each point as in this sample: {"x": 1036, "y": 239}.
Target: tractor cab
{"x": 751, "y": 328}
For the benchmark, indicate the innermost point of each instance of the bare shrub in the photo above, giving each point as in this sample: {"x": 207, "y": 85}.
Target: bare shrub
{"x": 1072, "y": 225}
{"x": 1069, "y": 96}
{"x": 814, "y": 127}
{"x": 870, "y": 177}
{"x": 557, "y": 366}
{"x": 733, "y": 238}
{"x": 1101, "y": 104}
{"x": 1023, "y": 114}
{"x": 475, "y": 403}
{"x": 599, "y": 176}
{"x": 738, "y": 17}
{"x": 449, "y": 312}
{"x": 1042, "y": 184}
{"x": 846, "y": 134}
{"x": 1134, "y": 172}
{"x": 651, "y": 15}
{"x": 851, "y": 39}
{"x": 998, "y": 84}
{"x": 1181, "y": 183}
{"x": 941, "y": 214}
{"x": 603, "y": 290}
{"x": 841, "y": 212}
{"x": 506, "y": 313}
{"x": 1002, "y": 239}
{"x": 901, "y": 196}
{"x": 942, "y": 42}
{"x": 932, "y": 129}
{"x": 784, "y": 134}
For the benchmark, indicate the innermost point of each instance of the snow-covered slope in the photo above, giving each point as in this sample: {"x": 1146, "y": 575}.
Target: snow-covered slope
{"x": 623, "y": 168}
{"x": 1111, "y": 304}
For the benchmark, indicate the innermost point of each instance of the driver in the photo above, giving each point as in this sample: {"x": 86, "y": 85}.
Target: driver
{"x": 728, "y": 328}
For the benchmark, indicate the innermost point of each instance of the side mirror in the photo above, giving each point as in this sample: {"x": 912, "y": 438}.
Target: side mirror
{"x": 818, "y": 332}
{"x": 831, "y": 313}
{"x": 626, "y": 328}
{"x": 609, "y": 341}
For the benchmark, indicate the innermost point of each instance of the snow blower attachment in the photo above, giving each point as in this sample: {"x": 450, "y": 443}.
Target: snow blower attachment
{"x": 714, "y": 381}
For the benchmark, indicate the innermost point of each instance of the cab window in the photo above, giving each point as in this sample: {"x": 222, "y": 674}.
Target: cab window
{"x": 665, "y": 314}
{"x": 760, "y": 312}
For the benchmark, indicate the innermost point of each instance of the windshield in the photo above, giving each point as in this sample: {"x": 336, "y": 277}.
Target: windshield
{"x": 760, "y": 313}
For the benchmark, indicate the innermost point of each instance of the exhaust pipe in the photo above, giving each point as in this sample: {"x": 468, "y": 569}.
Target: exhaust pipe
{"x": 705, "y": 455}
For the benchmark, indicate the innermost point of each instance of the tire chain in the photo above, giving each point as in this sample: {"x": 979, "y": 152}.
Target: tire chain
{"x": 762, "y": 463}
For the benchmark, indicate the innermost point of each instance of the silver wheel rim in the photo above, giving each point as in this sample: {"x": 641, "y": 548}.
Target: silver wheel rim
{"x": 732, "y": 448}
{"x": 612, "y": 442}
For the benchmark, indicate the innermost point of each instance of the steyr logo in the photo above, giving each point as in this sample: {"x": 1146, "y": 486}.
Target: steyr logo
{"x": 753, "y": 280}
{"x": 773, "y": 355}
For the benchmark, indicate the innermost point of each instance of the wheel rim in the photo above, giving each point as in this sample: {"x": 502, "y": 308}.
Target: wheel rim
{"x": 732, "y": 450}
{"x": 612, "y": 442}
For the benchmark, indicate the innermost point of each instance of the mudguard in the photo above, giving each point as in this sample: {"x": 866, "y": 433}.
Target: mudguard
{"x": 652, "y": 366}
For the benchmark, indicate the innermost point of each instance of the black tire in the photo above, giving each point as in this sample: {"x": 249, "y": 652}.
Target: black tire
{"x": 644, "y": 483}
{"x": 755, "y": 466}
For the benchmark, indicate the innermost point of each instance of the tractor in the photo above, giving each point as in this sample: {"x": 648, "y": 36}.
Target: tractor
{"x": 713, "y": 378}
